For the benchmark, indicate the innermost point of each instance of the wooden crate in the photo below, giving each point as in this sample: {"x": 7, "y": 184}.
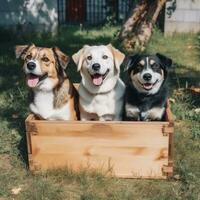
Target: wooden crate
{"x": 125, "y": 149}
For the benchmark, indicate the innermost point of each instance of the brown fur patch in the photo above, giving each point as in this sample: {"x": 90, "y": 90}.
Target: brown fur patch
{"x": 75, "y": 103}
{"x": 152, "y": 62}
{"x": 142, "y": 62}
{"x": 62, "y": 94}
{"x": 67, "y": 93}
{"x": 73, "y": 108}
{"x": 21, "y": 50}
{"x": 117, "y": 55}
{"x": 61, "y": 57}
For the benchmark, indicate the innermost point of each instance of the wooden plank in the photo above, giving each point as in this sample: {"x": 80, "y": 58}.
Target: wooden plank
{"x": 170, "y": 119}
{"x": 28, "y": 134}
{"x": 124, "y": 161}
{"x": 168, "y": 114}
{"x": 195, "y": 90}
{"x": 103, "y": 131}
{"x": 124, "y": 149}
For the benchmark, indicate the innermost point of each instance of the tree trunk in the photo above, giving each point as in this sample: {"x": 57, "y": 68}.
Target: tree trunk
{"x": 137, "y": 29}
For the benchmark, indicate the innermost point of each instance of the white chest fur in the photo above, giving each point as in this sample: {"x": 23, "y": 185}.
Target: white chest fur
{"x": 154, "y": 113}
{"x": 43, "y": 106}
{"x": 102, "y": 104}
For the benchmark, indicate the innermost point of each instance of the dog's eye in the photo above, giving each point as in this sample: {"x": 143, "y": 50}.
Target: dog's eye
{"x": 139, "y": 67}
{"x": 45, "y": 59}
{"x": 28, "y": 57}
{"x": 89, "y": 57}
{"x": 105, "y": 57}
{"x": 155, "y": 66}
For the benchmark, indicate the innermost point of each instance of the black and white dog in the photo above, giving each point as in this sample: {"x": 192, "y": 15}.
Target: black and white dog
{"x": 146, "y": 91}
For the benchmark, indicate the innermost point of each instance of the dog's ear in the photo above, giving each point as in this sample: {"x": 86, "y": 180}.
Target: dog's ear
{"x": 118, "y": 56}
{"x": 78, "y": 57}
{"x": 62, "y": 58}
{"x": 20, "y": 50}
{"x": 164, "y": 61}
{"x": 130, "y": 61}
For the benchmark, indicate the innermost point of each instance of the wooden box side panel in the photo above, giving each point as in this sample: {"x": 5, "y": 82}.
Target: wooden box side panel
{"x": 170, "y": 119}
{"x": 30, "y": 125}
{"x": 168, "y": 114}
{"x": 126, "y": 150}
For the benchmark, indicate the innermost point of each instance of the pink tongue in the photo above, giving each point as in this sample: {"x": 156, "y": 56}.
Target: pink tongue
{"x": 32, "y": 81}
{"x": 97, "y": 80}
{"x": 148, "y": 86}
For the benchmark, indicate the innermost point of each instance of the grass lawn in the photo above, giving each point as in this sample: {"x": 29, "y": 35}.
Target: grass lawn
{"x": 60, "y": 185}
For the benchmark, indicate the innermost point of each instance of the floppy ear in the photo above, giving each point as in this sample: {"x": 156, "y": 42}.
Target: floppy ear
{"x": 78, "y": 57}
{"x": 165, "y": 61}
{"x": 118, "y": 56}
{"x": 130, "y": 60}
{"x": 20, "y": 50}
{"x": 62, "y": 58}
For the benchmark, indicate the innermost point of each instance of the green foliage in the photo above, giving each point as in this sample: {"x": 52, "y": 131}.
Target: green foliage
{"x": 185, "y": 107}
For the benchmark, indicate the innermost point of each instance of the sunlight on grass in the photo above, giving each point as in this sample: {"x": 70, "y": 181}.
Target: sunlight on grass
{"x": 98, "y": 32}
{"x": 182, "y": 48}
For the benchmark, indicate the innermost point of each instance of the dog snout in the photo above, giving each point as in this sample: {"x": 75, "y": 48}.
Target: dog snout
{"x": 96, "y": 66}
{"x": 147, "y": 77}
{"x": 31, "y": 65}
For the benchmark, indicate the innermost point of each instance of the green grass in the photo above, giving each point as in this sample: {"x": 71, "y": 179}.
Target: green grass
{"x": 182, "y": 48}
{"x": 86, "y": 185}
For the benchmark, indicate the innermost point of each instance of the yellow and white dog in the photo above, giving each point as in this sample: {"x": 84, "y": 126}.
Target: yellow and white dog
{"x": 101, "y": 91}
{"x": 54, "y": 96}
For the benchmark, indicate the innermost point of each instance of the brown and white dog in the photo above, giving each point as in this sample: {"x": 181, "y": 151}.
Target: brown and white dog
{"x": 101, "y": 90}
{"x": 54, "y": 96}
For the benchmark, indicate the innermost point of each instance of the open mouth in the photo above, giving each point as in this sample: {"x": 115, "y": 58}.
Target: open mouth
{"x": 33, "y": 79}
{"x": 98, "y": 79}
{"x": 148, "y": 86}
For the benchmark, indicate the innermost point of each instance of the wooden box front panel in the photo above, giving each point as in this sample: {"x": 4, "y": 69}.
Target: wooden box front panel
{"x": 125, "y": 149}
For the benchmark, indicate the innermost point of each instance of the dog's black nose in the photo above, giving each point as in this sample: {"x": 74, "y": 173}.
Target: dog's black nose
{"x": 147, "y": 77}
{"x": 96, "y": 66}
{"x": 31, "y": 65}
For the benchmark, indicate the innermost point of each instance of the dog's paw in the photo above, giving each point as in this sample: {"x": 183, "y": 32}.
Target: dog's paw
{"x": 132, "y": 112}
{"x": 107, "y": 117}
{"x": 155, "y": 114}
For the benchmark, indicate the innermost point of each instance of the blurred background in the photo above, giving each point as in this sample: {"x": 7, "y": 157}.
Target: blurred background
{"x": 175, "y": 15}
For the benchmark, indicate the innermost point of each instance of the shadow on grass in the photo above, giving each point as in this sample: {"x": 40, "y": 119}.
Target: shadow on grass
{"x": 187, "y": 79}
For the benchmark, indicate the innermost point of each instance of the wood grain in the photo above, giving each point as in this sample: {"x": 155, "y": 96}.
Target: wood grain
{"x": 124, "y": 149}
